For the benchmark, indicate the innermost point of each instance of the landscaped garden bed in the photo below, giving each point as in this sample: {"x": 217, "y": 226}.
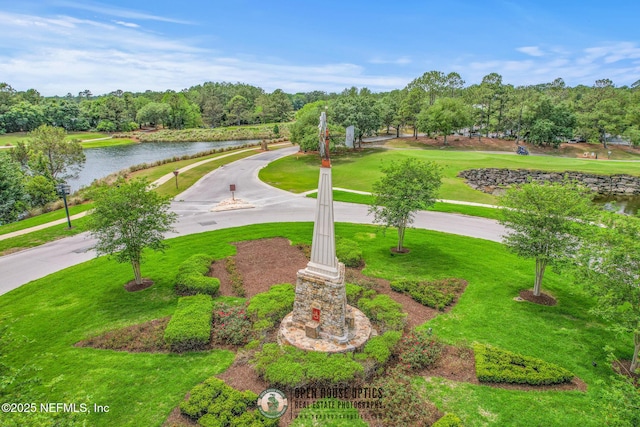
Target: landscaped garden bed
{"x": 565, "y": 334}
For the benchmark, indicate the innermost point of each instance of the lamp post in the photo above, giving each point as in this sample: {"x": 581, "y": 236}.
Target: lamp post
{"x": 63, "y": 190}
{"x": 175, "y": 173}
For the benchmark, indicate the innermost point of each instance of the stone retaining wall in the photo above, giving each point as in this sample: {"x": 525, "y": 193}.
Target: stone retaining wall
{"x": 491, "y": 179}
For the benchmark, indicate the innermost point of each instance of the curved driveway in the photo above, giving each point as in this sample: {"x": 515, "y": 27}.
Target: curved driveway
{"x": 194, "y": 207}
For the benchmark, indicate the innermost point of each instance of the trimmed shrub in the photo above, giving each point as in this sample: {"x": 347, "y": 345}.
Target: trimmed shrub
{"x": 190, "y": 325}
{"x": 436, "y": 294}
{"x": 501, "y": 366}
{"x": 354, "y": 293}
{"x": 384, "y": 311}
{"x": 191, "y": 279}
{"x": 349, "y": 253}
{"x": 380, "y": 348}
{"x": 449, "y": 420}
{"x": 418, "y": 349}
{"x": 214, "y": 404}
{"x": 289, "y": 366}
{"x": 201, "y": 396}
{"x": 272, "y": 305}
{"x": 231, "y": 324}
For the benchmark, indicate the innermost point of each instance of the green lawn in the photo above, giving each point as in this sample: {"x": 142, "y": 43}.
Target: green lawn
{"x": 12, "y": 138}
{"x": 49, "y": 315}
{"x": 357, "y": 171}
{"x": 365, "y": 199}
{"x": 44, "y": 218}
{"x": 107, "y": 142}
{"x": 40, "y": 237}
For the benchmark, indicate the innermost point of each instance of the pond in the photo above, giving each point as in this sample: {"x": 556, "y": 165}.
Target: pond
{"x": 107, "y": 160}
{"x": 629, "y": 205}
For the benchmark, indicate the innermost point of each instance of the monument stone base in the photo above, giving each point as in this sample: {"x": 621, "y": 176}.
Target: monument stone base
{"x": 358, "y": 333}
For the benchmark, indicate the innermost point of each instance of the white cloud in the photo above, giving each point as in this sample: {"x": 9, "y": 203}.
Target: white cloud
{"x": 531, "y": 50}
{"x": 66, "y": 54}
{"x": 63, "y": 54}
{"x": 127, "y": 24}
{"x": 119, "y": 12}
{"x": 404, "y": 60}
{"x": 616, "y": 61}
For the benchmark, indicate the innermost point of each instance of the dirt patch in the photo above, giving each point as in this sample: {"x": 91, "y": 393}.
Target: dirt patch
{"x": 145, "y": 337}
{"x": 542, "y": 299}
{"x": 132, "y": 286}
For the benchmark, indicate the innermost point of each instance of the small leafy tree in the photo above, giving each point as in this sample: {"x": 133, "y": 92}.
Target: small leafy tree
{"x": 546, "y": 222}
{"x": 40, "y": 191}
{"x": 127, "y": 218}
{"x": 304, "y": 131}
{"x": 51, "y": 156}
{"x": 444, "y": 116}
{"x": 405, "y": 188}
{"x": 610, "y": 267}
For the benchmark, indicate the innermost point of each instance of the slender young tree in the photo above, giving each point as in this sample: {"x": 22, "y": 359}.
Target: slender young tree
{"x": 127, "y": 219}
{"x": 405, "y": 188}
{"x": 545, "y": 222}
{"x": 610, "y": 267}
{"x": 50, "y": 155}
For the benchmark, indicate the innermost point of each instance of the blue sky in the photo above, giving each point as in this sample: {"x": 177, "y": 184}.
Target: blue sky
{"x": 61, "y": 46}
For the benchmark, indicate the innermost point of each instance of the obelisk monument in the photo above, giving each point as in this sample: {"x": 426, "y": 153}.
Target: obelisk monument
{"x": 321, "y": 319}
{"x": 321, "y": 300}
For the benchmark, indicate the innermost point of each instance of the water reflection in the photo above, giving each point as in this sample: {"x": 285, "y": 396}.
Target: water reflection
{"x": 107, "y": 160}
{"x": 629, "y": 205}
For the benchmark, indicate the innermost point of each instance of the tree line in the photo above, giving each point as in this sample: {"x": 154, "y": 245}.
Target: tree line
{"x": 433, "y": 103}
{"x": 210, "y": 104}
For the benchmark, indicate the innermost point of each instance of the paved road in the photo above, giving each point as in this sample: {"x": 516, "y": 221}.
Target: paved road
{"x": 194, "y": 208}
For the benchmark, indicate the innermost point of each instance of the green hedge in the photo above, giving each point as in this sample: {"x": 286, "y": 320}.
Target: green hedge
{"x": 449, "y": 420}
{"x": 380, "y": 348}
{"x": 268, "y": 308}
{"x": 435, "y": 294}
{"x": 349, "y": 253}
{"x": 214, "y": 404}
{"x": 191, "y": 279}
{"x": 501, "y": 366}
{"x": 289, "y": 366}
{"x": 190, "y": 325}
{"x": 384, "y": 311}
{"x": 355, "y": 292}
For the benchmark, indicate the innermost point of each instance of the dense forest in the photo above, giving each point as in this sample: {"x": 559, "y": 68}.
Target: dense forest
{"x": 439, "y": 103}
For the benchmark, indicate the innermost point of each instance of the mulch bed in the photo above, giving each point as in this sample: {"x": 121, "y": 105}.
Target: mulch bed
{"x": 542, "y": 299}
{"x": 262, "y": 263}
{"x": 133, "y": 287}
